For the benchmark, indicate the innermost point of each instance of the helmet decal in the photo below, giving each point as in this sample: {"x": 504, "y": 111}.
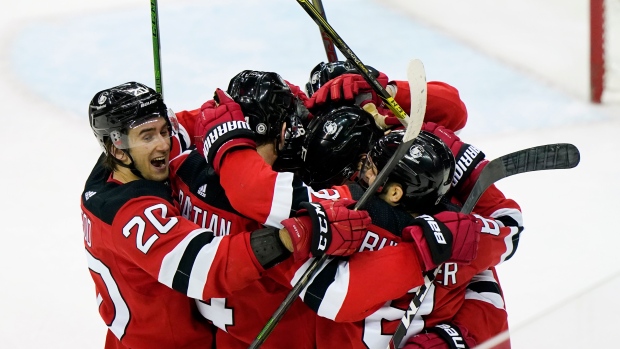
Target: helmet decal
{"x": 330, "y": 127}
{"x": 261, "y": 129}
{"x": 415, "y": 152}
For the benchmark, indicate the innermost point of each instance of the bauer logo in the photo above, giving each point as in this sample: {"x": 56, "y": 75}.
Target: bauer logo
{"x": 435, "y": 227}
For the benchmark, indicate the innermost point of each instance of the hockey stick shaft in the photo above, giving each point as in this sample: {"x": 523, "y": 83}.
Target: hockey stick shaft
{"x": 352, "y": 57}
{"x": 156, "y": 47}
{"x": 328, "y": 44}
{"x": 539, "y": 158}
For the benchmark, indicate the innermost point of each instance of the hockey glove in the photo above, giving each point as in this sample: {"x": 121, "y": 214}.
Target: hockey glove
{"x": 469, "y": 160}
{"x": 445, "y": 237}
{"x": 442, "y": 336}
{"x": 345, "y": 87}
{"x": 224, "y": 128}
{"x": 327, "y": 227}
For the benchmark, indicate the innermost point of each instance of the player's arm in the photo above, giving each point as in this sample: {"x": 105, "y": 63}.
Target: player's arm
{"x": 180, "y": 254}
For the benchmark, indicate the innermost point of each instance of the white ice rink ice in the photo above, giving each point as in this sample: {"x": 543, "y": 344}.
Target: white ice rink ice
{"x": 560, "y": 287}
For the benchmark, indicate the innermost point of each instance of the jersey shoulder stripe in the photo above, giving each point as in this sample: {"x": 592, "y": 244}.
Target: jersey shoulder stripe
{"x": 196, "y": 174}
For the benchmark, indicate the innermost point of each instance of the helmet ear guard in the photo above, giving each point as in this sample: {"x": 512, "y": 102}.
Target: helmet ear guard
{"x": 425, "y": 172}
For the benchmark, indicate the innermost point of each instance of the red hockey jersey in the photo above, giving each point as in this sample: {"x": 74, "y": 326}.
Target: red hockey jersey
{"x": 147, "y": 263}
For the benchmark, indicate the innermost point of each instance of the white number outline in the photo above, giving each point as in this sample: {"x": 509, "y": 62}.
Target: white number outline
{"x": 122, "y": 315}
{"x": 138, "y": 221}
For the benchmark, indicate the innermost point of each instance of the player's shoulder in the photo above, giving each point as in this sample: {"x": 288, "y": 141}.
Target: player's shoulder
{"x": 104, "y": 198}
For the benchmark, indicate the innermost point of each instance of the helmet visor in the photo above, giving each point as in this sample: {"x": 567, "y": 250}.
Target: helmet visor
{"x": 146, "y": 130}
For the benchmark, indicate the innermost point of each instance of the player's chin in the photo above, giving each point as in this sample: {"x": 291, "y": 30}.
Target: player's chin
{"x": 158, "y": 173}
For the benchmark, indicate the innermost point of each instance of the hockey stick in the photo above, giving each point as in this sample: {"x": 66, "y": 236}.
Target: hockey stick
{"x": 542, "y": 157}
{"x": 348, "y": 53}
{"x": 412, "y": 131}
{"x": 330, "y": 49}
{"x": 156, "y": 48}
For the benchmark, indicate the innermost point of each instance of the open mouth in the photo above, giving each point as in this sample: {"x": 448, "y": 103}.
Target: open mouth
{"x": 159, "y": 162}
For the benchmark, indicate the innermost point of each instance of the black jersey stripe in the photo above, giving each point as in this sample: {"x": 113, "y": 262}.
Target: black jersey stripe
{"x": 484, "y": 286}
{"x": 315, "y": 292}
{"x": 181, "y": 278}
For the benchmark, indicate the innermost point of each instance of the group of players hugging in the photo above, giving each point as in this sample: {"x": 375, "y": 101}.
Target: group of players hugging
{"x": 197, "y": 224}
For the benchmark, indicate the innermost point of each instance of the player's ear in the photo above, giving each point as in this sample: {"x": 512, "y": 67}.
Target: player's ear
{"x": 282, "y": 136}
{"x": 118, "y": 154}
{"x": 392, "y": 193}
{"x": 396, "y": 193}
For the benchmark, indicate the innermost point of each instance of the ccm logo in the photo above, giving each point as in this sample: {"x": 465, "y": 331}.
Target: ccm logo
{"x": 220, "y": 130}
{"x": 435, "y": 227}
{"x": 323, "y": 227}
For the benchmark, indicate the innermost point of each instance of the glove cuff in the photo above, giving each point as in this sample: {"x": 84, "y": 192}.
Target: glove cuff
{"x": 466, "y": 160}
{"x": 321, "y": 230}
{"x": 218, "y": 139}
{"x": 451, "y": 334}
{"x": 438, "y": 238}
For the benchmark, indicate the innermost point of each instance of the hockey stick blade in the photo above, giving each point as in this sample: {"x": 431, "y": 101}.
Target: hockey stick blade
{"x": 544, "y": 157}
{"x": 416, "y": 76}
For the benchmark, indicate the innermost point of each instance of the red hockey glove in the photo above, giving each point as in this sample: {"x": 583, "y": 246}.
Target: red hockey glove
{"x": 327, "y": 227}
{"x": 224, "y": 127}
{"x": 469, "y": 160}
{"x": 442, "y": 336}
{"x": 346, "y": 87}
{"x": 446, "y": 237}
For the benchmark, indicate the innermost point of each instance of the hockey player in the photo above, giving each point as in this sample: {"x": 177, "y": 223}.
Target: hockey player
{"x": 376, "y": 329}
{"x": 258, "y": 92}
{"x": 464, "y": 306}
{"x": 146, "y": 260}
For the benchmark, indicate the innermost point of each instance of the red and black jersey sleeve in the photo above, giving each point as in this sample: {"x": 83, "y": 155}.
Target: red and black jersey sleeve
{"x": 257, "y": 191}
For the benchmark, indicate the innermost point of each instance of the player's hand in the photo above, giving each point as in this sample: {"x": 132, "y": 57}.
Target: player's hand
{"x": 328, "y": 227}
{"x": 442, "y": 336}
{"x": 222, "y": 127}
{"x": 345, "y": 87}
{"x": 445, "y": 237}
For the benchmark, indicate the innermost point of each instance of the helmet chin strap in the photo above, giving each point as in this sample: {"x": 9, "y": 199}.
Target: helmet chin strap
{"x": 131, "y": 166}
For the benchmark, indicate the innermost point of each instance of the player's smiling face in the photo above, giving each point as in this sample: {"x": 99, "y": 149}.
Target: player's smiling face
{"x": 150, "y": 148}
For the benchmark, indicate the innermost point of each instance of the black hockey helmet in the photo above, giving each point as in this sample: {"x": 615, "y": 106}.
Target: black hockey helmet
{"x": 114, "y": 111}
{"x": 335, "y": 140}
{"x": 265, "y": 99}
{"x": 425, "y": 172}
{"x": 323, "y": 72}
{"x": 268, "y": 103}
